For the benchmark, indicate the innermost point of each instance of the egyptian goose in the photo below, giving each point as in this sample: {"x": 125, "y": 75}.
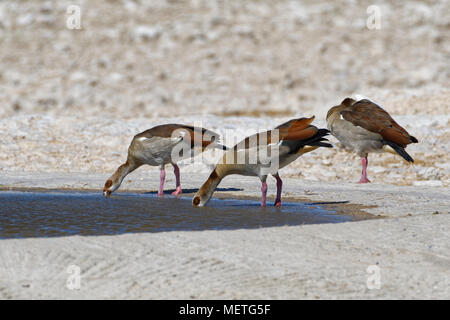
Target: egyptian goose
{"x": 265, "y": 153}
{"x": 364, "y": 127}
{"x": 159, "y": 146}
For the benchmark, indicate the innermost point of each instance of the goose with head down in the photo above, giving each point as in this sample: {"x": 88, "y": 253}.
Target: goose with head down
{"x": 265, "y": 153}
{"x": 365, "y": 127}
{"x": 157, "y": 147}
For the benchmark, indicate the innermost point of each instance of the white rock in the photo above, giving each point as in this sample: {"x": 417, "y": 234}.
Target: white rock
{"x": 116, "y": 77}
{"x": 130, "y": 6}
{"x": 147, "y": 33}
{"x": 298, "y": 12}
{"x": 243, "y": 30}
{"x": 377, "y": 169}
{"x": 25, "y": 19}
{"x": 428, "y": 183}
{"x": 46, "y": 7}
{"x": 78, "y": 76}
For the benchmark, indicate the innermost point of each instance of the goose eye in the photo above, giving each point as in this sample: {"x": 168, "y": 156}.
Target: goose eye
{"x": 196, "y": 201}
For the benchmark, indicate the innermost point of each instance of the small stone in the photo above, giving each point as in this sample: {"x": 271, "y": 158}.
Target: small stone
{"x": 147, "y": 33}
{"x": 25, "y": 19}
{"x": 46, "y": 7}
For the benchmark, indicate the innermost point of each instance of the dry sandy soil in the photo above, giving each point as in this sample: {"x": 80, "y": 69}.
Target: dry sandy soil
{"x": 71, "y": 100}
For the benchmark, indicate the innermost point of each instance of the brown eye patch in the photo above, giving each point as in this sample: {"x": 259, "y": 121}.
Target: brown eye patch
{"x": 108, "y": 184}
{"x": 196, "y": 201}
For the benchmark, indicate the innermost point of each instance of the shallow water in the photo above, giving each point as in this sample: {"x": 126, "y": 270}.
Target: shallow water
{"x": 52, "y": 214}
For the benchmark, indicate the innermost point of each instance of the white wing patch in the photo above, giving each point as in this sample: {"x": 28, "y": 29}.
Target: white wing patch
{"x": 275, "y": 144}
{"x": 176, "y": 140}
{"x": 359, "y": 97}
{"x": 181, "y": 134}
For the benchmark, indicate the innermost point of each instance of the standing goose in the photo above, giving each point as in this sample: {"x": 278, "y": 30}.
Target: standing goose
{"x": 365, "y": 127}
{"x": 156, "y": 146}
{"x": 265, "y": 153}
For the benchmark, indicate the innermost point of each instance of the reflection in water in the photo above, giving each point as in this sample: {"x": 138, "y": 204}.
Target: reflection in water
{"x": 31, "y": 214}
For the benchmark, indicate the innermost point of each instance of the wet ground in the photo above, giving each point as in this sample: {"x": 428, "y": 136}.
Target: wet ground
{"x": 53, "y": 214}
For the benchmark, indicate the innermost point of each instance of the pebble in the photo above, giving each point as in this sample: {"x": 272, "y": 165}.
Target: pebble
{"x": 147, "y": 33}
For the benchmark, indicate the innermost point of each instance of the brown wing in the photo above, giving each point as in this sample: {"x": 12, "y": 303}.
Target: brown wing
{"x": 297, "y": 129}
{"x": 372, "y": 117}
{"x": 196, "y": 135}
{"x": 257, "y": 139}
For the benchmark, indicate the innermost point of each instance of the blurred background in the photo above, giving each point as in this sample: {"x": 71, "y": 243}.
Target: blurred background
{"x": 71, "y": 99}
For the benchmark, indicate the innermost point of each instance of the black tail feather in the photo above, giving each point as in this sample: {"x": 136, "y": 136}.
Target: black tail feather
{"x": 400, "y": 150}
{"x": 413, "y": 139}
{"x": 318, "y": 139}
{"x": 321, "y": 144}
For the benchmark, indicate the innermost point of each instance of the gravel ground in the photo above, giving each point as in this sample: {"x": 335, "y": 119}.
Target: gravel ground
{"x": 71, "y": 100}
{"x": 93, "y": 145}
{"x": 162, "y": 57}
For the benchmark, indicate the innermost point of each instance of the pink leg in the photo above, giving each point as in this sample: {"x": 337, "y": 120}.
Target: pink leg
{"x": 264, "y": 194}
{"x": 364, "y": 163}
{"x": 279, "y": 187}
{"x": 162, "y": 177}
{"x": 176, "y": 171}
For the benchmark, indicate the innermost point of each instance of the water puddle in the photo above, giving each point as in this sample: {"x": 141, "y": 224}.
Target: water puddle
{"x": 55, "y": 214}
